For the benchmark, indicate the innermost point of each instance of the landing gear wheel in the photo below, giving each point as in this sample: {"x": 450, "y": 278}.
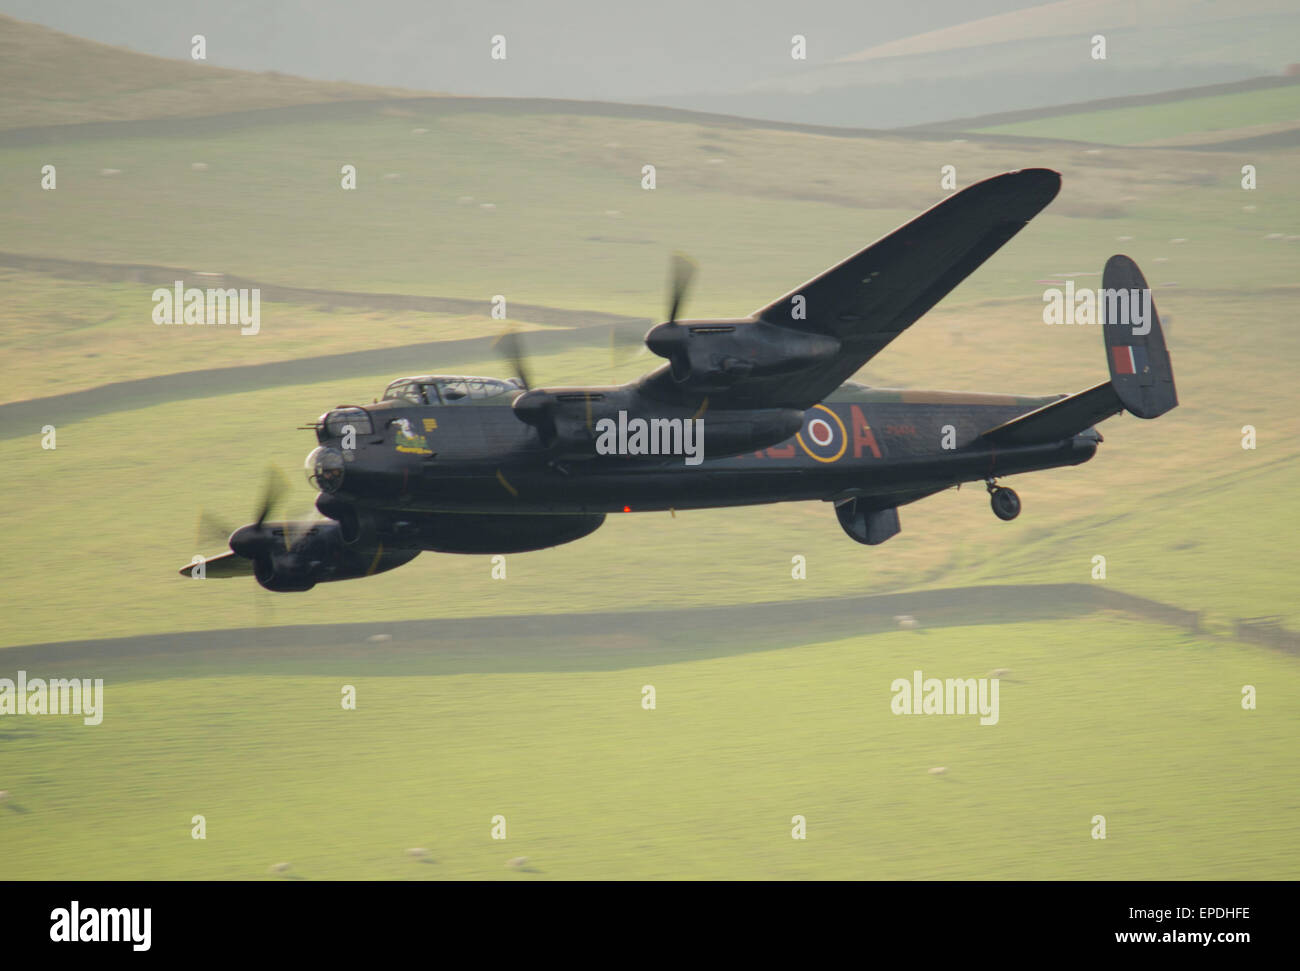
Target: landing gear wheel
{"x": 1005, "y": 503}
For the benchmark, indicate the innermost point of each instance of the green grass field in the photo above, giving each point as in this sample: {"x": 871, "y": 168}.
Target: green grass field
{"x": 1208, "y": 118}
{"x": 572, "y": 226}
{"x": 89, "y": 333}
{"x": 1105, "y": 714}
{"x": 50, "y": 78}
{"x": 704, "y": 786}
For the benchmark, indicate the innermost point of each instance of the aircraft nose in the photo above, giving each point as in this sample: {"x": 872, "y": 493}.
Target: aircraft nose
{"x": 324, "y": 468}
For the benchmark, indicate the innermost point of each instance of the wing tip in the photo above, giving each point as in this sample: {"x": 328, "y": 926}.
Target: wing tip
{"x": 1027, "y": 191}
{"x": 1038, "y": 180}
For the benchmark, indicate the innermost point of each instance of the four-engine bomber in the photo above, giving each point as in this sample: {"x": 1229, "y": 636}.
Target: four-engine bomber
{"x": 746, "y": 411}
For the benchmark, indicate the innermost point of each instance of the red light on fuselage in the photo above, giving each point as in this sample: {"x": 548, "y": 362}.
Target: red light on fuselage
{"x": 627, "y": 508}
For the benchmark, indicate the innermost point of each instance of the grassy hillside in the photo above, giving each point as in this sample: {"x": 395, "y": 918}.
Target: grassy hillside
{"x": 52, "y": 78}
{"x": 1032, "y": 58}
{"x": 1213, "y": 118}
{"x": 1038, "y": 23}
{"x": 550, "y": 209}
{"x": 90, "y": 333}
{"x": 704, "y": 786}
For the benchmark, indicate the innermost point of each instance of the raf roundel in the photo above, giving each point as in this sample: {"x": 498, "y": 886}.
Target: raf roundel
{"x": 823, "y": 436}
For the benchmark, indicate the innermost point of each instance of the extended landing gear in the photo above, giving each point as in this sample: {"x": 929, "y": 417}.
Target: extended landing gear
{"x": 1005, "y": 502}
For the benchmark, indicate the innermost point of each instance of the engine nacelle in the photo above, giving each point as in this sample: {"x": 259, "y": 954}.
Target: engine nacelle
{"x": 572, "y": 421}
{"x": 712, "y": 355}
{"x": 282, "y": 574}
{"x": 295, "y": 556}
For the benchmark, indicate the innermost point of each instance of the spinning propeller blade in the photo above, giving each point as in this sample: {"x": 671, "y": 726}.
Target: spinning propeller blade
{"x": 511, "y": 348}
{"x": 272, "y": 493}
{"x": 682, "y": 273}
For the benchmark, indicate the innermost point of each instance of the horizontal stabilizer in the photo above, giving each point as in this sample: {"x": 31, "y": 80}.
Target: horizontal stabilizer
{"x": 1063, "y": 418}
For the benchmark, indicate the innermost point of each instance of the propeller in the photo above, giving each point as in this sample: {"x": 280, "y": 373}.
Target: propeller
{"x": 534, "y": 407}
{"x": 250, "y": 540}
{"x": 625, "y": 343}
{"x": 512, "y": 349}
{"x": 272, "y": 494}
{"x": 537, "y": 408}
{"x": 669, "y": 339}
{"x": 683, "y": 271}
{"x": 259, "y": 541}
{"x": 211, "y": 530}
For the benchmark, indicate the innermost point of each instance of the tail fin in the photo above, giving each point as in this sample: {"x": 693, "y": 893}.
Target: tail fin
{"x": 1141, "y": 377}
{"x": 1140, "y": 371}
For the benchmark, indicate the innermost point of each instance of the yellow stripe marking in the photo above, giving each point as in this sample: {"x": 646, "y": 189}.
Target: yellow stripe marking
{"x": 508, "y": 487}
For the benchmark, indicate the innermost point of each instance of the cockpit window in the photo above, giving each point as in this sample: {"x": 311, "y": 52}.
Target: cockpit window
{"x": 480, "y": 388}
{"x": 440, "y": 389}
{"x": 338, "y": 421}
{"x": 405, "y": 391}
{"x": 450, "y": 390}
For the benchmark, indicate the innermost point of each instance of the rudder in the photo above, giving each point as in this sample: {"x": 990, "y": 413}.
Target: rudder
{"x": 1140, "y": 369}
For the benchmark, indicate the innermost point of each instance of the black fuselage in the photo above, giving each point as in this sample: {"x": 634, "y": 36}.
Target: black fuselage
{"x": 859, "y": 442}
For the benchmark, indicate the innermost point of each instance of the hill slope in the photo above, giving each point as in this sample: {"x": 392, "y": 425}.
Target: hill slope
{"x": 52, "y": 78}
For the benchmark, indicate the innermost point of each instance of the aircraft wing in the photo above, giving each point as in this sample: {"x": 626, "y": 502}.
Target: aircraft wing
{"x": 873, "y": 296}
{"x": 221, "y": 566}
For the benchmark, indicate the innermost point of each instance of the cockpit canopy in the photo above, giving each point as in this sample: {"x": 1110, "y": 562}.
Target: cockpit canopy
{"x": 446, "y": 389}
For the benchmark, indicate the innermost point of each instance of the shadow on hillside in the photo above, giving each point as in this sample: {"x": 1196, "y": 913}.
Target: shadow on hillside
{"x": 571, "y": 642}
